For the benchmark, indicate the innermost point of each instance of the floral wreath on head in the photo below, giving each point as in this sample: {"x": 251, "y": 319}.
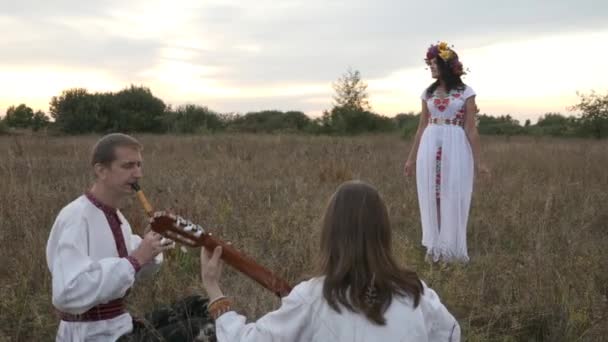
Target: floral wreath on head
{"x": 447, "y": 54}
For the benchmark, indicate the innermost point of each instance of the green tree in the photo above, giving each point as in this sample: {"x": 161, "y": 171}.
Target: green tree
{"x": 19, "y": 117}
{"x": 351, "y": 113}
{"x": 136, "y": 109}
{"x": 132, "y": 109}
{"x": 594, "y": 113}
{"x": 556, "y": 124}
{"x": 501, "y": 125}
{"x": 345, "y": 120}
{"x": 40, "y": 120}
{"x": 272, "y": 121}
{"x": 76, "y": 111}
{"x": 407, "y": 123}
{"x": 351, "y": 92}
{"x": 3, "y": 127}
{"x": 192, "y": 119}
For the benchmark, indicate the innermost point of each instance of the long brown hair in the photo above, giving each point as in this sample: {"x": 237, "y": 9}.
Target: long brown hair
{"x": 447, "y": 75}
{"x": 356, "y": 259}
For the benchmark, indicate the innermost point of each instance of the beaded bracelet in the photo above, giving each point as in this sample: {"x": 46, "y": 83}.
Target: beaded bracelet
{"x": 219, "y": 307}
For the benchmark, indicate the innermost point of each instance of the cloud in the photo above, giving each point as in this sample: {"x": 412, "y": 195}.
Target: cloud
{"x": 232, "y": 48}
{"x": 49, "y": 42}
{"x": 269, "y": 41}
{"x": 317, "y": 40}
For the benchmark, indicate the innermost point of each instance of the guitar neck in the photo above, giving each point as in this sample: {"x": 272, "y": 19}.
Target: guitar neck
{"x": 185, "y": 232}
{"x": 246, "y": 265}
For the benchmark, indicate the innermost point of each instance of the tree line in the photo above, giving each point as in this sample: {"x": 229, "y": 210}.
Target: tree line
{"x": 136, "y": 109}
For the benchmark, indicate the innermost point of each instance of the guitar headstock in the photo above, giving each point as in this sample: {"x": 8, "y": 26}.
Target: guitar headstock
{"x": 177, "y": 228}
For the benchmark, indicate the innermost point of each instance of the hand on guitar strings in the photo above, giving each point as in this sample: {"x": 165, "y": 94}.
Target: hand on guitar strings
{"x": 151, "y": 246}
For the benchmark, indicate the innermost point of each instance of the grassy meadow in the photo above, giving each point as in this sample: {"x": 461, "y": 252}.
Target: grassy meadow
{"x": 537, "y": 234}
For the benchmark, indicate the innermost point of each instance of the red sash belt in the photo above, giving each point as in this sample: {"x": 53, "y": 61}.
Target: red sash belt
{"x": 100, "y": 312}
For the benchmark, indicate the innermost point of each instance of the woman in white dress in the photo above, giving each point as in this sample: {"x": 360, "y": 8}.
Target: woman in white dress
{"x": 360, "y": 293}
{"x": 445, "y": 152}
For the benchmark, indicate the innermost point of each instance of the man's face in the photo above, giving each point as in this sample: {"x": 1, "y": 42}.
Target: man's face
{"x": 125, "y": 170}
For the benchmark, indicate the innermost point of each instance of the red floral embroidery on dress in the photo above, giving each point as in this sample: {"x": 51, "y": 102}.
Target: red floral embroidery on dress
{"x": 441, "y": 104}
{"x": 438, "y": 173}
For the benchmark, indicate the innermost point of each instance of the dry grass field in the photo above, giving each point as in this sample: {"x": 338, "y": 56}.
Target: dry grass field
{"x": 538, "y": 229}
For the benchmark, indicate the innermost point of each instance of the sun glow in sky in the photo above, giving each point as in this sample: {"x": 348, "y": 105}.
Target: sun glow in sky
{"x": 232, "y": 57}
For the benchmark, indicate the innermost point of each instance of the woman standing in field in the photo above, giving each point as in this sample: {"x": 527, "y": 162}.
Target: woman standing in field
{"x": 446, "y": 153}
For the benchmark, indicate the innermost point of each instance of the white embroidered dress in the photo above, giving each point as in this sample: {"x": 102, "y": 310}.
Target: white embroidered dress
{"x": 444, "y": 177}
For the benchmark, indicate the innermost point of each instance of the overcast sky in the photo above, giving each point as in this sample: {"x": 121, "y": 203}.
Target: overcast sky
{"x": 525, "y": 58}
